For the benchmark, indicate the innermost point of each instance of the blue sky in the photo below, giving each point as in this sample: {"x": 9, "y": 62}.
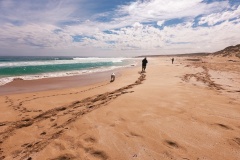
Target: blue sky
{"x": 117, "y": 27}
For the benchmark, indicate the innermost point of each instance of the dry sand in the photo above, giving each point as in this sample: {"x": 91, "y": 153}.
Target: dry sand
{"x": 186, "y": 110}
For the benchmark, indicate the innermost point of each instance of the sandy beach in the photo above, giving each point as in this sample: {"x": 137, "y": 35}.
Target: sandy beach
{"x": 189, "y": 110}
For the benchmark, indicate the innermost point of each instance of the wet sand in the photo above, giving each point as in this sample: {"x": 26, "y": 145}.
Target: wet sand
{"x": 186, "y": 110}
{"x": 25, "y": 86}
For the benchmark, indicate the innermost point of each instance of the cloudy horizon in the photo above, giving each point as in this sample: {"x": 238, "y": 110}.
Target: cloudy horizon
{"x": 117, "y": 28}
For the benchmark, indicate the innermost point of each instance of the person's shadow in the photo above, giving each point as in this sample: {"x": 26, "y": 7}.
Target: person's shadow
{"x": 141, "y": 72}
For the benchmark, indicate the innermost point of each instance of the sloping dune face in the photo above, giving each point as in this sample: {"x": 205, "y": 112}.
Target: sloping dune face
{"x": 231, "y": 51}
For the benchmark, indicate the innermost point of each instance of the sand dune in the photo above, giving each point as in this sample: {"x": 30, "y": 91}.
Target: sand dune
{"x": 231, "y": 51}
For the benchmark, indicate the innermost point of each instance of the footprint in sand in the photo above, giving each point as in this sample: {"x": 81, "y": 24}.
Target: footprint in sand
{"x": 74, "y": 113}
{"x": 90, "y": 140}
{"x": 237, "y": 140}
{"x": 89, "y": 149}
{"x": 64, "y": 157}
{"x": 223, "y": 126}
{"x": 171, "y": 144}
{"x": 234, "y": 142}
{"x": 132, "y": 134}
{"x": 43, "y": 133}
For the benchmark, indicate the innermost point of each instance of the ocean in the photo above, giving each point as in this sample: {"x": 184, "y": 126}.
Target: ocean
{"x": 29, "y": 67}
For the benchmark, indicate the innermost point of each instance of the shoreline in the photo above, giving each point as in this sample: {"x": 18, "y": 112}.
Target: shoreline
{"x": 160, "y": 114}
{"x": 36, "y": 68}
{"x": 55, "y": 83}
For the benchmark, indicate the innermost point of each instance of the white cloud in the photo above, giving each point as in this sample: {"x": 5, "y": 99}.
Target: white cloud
{"x": 137, "y": 25}
{"x": 44, "y": 11}
{"x": 34, "y": 35}
{"x": 155, "y": 10}
{"x": 181, "y": 38}
{"x": 128, "y": 30}
{"x": 160, "y": 23}
{"x": 203, "y": 39}
{"x": 220, "y": 17}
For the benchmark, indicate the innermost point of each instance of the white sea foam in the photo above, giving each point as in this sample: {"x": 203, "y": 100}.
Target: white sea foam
{"x": 55, "y": 62}
{"x": 6, "y": 80}
{"x": 95, "y": 59}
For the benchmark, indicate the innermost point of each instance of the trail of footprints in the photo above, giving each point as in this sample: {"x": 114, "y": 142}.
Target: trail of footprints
{"x": 50, "y": 128}
{"x": 19, "y": 107}
{"x": 52, "y": 123}
{"x": 203, "y": 77}
{"x": 206, "y": 79}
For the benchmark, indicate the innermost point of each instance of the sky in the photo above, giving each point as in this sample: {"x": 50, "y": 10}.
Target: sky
{"x": 117, "y": 28}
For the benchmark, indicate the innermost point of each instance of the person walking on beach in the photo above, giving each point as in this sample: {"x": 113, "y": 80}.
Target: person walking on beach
{"x": 144, "y": 64}
{"x": 112, "y": 77}
{"x": 172, "y": 60}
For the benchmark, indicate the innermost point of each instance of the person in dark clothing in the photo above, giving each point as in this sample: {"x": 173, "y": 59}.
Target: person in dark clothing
{"x": 172, "y": 60}
{"x": 144, "y": 64}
